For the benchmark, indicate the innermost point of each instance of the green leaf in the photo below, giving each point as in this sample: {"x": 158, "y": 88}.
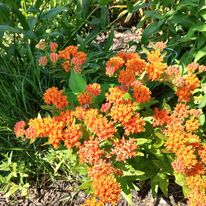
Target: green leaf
{"x": 141, "y": 141}
{"x": 104, "y": 16}
{"x": 202, "y": 119}
{"x": 5, "y": 28}
{"x": 109, "y": 40}
{"x": 201, "y": 53}
{"x": 76, "y": 82}
{"x": 104, "y": 2}
{"x": 160, "y": 135}
{"x": 160, "y": 180}
{"x": 202, "y": 102}
{"x": 51, "y": 13}
{"x": 84, "y": 8}
{"x": 152, "y": 28}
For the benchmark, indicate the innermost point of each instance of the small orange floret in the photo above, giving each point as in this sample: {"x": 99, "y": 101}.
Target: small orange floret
{"x": 142, "y": 94}
{"x": 56, "y": 97}
{"x": 102, "y": 168}
{"x": 161, "y": 117}
{"x": 43, "y": 61}
{"x": 85, "y": 98}
{"x": 107, "y": 189}
{"x": 136, "y": 65}
{"x": 126, "y": 77}
{"x": 54, "y": 57}
{"x": 19, "y": 128}
{"x": 127, "y": 56}
{"x": 125, "y": 149}
{"x": 184, "y": 94}
{"x": 53, "y": 46}
{"x": 135, "y": 125}
{"x": 92, "y": 202}
{"x": 90, "y": 152}
{"x": 113, "y": 65}
{"x": 192, "y": 125}
{"x": 72, "y": 136}
{"x": 68, "y": 52}
{"x": 66, "y": 66}
{"x": 94, "y": 89}
{"x": 122, "y": 113}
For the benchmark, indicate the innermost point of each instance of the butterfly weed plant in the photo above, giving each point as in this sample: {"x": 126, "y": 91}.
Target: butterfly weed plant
{"x": 132, "y": 130}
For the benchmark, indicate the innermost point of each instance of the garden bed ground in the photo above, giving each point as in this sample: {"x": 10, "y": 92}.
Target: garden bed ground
{"x": 62, "y": 193}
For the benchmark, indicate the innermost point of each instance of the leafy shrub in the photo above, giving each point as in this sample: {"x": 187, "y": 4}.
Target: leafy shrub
{"x": 125, "y": 130}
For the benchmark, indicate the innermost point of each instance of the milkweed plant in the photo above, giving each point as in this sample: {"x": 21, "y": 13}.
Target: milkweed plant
{"x": 133, "y": 133}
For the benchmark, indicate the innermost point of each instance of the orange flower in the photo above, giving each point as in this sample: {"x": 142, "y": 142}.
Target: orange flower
{"x": 99, "y": 125}
{"x": 124, "y": 149}
{"x": 68, "y": 52}
{"x": 67, "y": 117}
{"x": 156, "y": 67}
{"x": 72, "y": 136}
{"x": 66, "y": 66}
{"x": 90, "y": 152}
{"x": 141, "y": 94}
{"x": 94, "y": 89}
{"x": 196, "y": 198}
{"x": 179, "y": 166}
{"x": 202, "y": 153}
{"x": 107, "y": 189}
{"x": 78, "y": 60}
{"x": 161, "y": 117}
{"x": 192, "y": 125}
{"x": 43, "y": 61}
{"x": 56, "y": 97}
{"x": 128, "y": 56}
{"x": 53, "y": 46}
{"x": 102, "y": 168}
{"x": 56, "y": 133}
{"x": 183, "y": 94}
{"x": 191, "y": 82}
{"x": 19, "y": 128}
{"x": 192, "y": 67}
{"x": 92, "y": 202}
{"x": 155, "y": 70}
{"x": 135, "y": 125}
{"x": 122, "y": 112}
{"x": 126, "y": 77}
{"x": 105, "y": 107}
{"x": 113, "y": 65}
{"x": 116, "y": 96}
{"x": 136, "y": 65}
{"x": 160, "y": 45}
{"x": 30, "y": 133}
{"x": 85, "y": 98}
{"x": 54, "y": 57}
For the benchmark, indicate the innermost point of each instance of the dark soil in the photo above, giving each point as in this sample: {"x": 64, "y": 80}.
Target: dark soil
{"x": 63, "y": 193}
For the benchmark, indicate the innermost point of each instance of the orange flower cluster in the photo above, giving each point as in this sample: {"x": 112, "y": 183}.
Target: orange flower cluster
{"x": 56, "y": 97}
{"x": 90, "y": 152}
{"x": 86, "y": 97}
{"x": 156, "y": 67}
{"x": 161, "y": 117}
{"x": 72, "y": 58}
{"x": 113, "y": 65}
{"x": 107, "y": 189}
{"x": 19, "y": 128}
{"x": 102, "y": 168}
{"x": 92, "y": 202}
{"x": 99, "y": 125}
{"x": 141, "y": 94}
{"x": 190, "y": 152}
{"x": 125, "y": 149}
{"x": 189, "y": 83}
